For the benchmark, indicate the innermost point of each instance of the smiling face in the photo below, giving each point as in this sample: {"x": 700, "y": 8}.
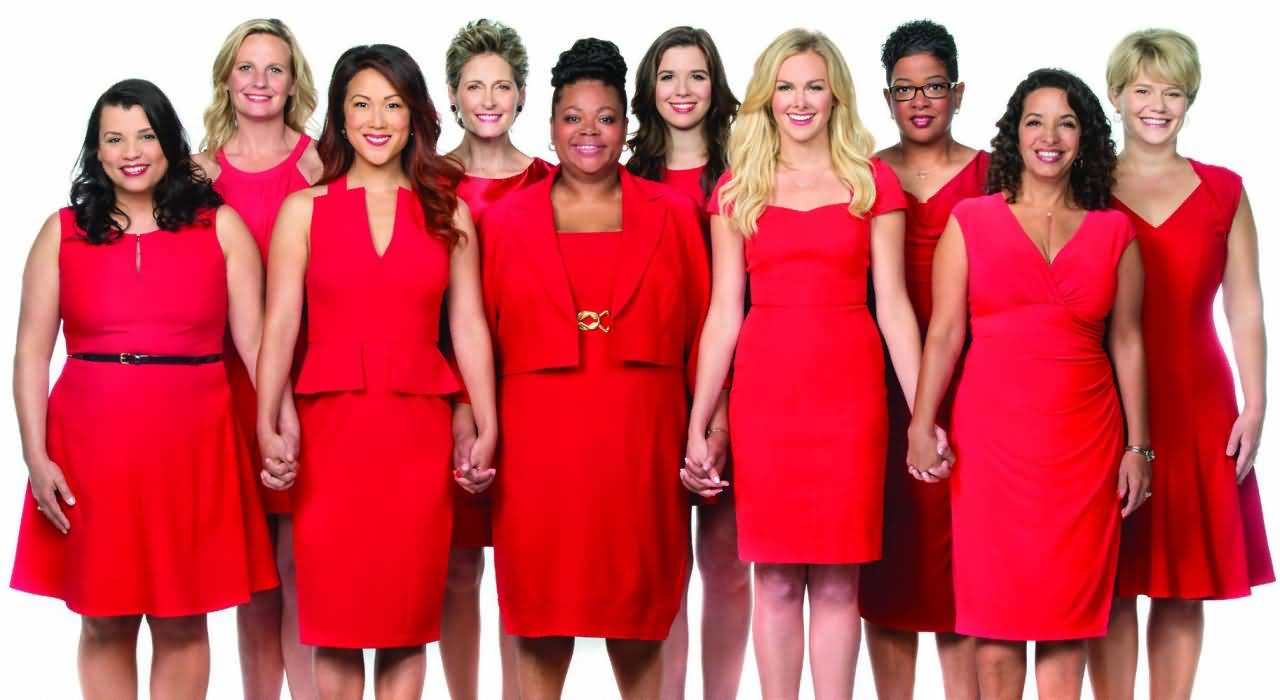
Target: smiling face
{"x": 260, "y": 82}
{"x": 487, "y": 96}
{"x": 1153, "y": 110}
{"x": 922, "y": 119}
{"x": 1048, "y": 134}
{"x": 376, "y": 117}
{"x": 588, "y": 129}
{"x": 130, "y": 150}
{"x": 682, "y": 90}
{"x": 802, "y": 99}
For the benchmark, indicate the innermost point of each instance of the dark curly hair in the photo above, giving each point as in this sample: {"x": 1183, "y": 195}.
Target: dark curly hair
{"x": 435, "y": 178}
{"x": 649, "y": 143}
{"x": 920, "y": 36}
{"x": 590, "y": 59}
{"x": 183, "y": 195}
{"x": 1092, "y": 173}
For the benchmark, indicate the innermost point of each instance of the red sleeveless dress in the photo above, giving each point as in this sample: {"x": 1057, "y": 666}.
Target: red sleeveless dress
{"x": 472, "y": 526}
{"x": 257, "y": 197}
{"x": 1037, "y": 429}
{"x": 1201, "y": 535}
{"x": 808, "y": 387}
{"x": 372, "y": 505}
{"x": 167, "y": 521}
{"x": 910, "y": 587}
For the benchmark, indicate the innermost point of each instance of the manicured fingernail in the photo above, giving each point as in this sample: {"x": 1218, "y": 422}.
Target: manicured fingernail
{"x": 71, "y": 500}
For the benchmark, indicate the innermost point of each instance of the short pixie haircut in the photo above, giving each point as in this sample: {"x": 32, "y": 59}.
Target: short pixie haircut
{"x": 481, "y": 37}
{"x": 1165, "y": 54}
{"x": 920, "y": 36}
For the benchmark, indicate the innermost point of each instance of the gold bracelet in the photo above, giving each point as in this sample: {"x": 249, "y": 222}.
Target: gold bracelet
{"x": 717, "y": 430}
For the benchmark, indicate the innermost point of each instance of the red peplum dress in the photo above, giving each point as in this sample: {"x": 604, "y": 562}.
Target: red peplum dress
{"x": 167, "y": 520}
{"x": 373, "y": 506}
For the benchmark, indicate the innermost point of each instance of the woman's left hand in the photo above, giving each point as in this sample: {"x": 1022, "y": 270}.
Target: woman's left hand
{"x": 1134, "y": 484}
{"x": 1243, "y": 443}
{"x": 475, "y": 473}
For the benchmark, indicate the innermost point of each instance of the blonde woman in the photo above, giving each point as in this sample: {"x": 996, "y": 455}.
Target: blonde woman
{"x": 1202, "y": 536}
{"x": 806, "y": 207}
{"x": 257, "y": 152}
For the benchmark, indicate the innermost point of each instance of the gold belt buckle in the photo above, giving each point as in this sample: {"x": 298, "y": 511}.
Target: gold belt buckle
{"x": 592, "y": 320}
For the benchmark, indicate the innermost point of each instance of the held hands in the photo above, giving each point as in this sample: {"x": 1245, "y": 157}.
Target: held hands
{"x": 929, "y": 454}
{"x": 1134, "y": 487}
{"x": 280, "y": 452}
{"x": 704, "y": 462}
{"x": 472, "y": 453}
{"x": 1243, "y": 443}
{"x": 47, "y": 485}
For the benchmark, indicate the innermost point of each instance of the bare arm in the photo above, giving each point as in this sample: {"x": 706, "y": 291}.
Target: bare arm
{"x": 894, "y": 315}
{"x": 1242, "y": 302}
{"x": 244, "y": 286}
{"x": 1125, "y": 346}
{"x": 473, "y": 349}
{"x": 724, "y": 321}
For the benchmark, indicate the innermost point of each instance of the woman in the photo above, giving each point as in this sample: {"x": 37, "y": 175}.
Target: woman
{"x": 809, "y": 212}
{"x": 376, "y": 246}
{"x": 486, "y": 66}
{"x": 257, "y": 152}
{"x": 684, "y": 106}
{"x": 909, "y": 590}
{"x": 145, "y": 269}
{"x": 595, "y": 285}
{"x": 1202, "y": 537}
{"x": 1051, "y": 284}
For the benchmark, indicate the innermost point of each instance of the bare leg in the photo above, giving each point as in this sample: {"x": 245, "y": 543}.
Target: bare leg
{"x": 1002, "y": 669}
{"x": 637, "y": 665}
{"x": 108, "y": 657}
{"x": 1060, "y": 669}
{"x": 179, "y": 657}
{"x": 835, "y": 629}
{"x": 675, "y": 650}
{"x": 258, "y": 632}
{"x": 460, "y": 623}
{"x": 299, "y": 659}
{"x": 1175, "y": 633}
{"x": 726, "y": 601}
{"x": 1113, "y": 659}
{"x": 893, "y": 660}
{"x": 510, "y": 667}
{"x": 543, "y": 663}
{"x": 778, "y": 634}
{"x": 959, "y": 667}
{"x": 340, "y": 673}
{"x": 399, "y": 673}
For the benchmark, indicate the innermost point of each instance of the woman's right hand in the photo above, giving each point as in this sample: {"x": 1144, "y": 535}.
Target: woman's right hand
{"x": 929, "y": 456}
{"x": 47, "y": 485}
{"x": 699, "y": 474}
{"x": 279, "y": 460}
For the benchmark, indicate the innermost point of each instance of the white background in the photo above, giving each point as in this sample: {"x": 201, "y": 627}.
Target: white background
{"x": 61, "y": 55}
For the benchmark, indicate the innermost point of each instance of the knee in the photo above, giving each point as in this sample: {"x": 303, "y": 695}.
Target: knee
{"x": 720, "y": 567}
{"x": 1182, "y": 609}
{"x": 835, "y": 587}
{"x": 105, "y": 630}
{"x": 783, "y": 585}
{"x": 178, "y": 630}
{"x": 466, "y": 566}
{"x": 545, "y": 650}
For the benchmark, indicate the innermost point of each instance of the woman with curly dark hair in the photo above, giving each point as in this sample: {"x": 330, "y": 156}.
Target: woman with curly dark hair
{"x": 1049, "y": 280}
{"x": 145, "y": 270}
{"x": 684, "y": 106}
{"x": 375, "y": 246}
{"x": 595, "y": 284}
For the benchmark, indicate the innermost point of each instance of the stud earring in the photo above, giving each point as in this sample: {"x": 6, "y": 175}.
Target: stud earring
{"x": 519, "y": 109}
{"x": 453, "y": 108}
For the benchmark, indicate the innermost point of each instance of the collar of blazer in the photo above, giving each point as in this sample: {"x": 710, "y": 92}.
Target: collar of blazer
{"x": 643, "y": 219}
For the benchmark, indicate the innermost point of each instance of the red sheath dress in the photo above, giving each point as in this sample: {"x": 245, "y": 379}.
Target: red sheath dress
{"x": 910, "y": 587}
{"x": 808, "y": 387}
{"x": 372, "y": 504}
{"x": 257, "y": 197}
{"x": 1037, "y": 430}
{"x": 1201, "y": 535}
{"x": 167, "y": 521}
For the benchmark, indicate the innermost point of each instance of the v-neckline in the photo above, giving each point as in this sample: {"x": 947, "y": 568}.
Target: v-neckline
{"x": 1048, "y": 262}
{"x": 1181, "y": 205}
{"x": 368, "y": 223}
{"x": 954, "y": 178}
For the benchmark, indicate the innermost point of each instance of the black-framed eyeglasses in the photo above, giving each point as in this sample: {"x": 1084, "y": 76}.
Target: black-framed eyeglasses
{"x": 933, "y": 91}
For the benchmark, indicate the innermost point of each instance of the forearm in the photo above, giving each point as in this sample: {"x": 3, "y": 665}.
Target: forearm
{"x": 1131, "y": 377}
{"x": 715, "y": 355}
{"x": 275, "y": 358}
{"x": 474, "y": 355}
{"x": 1249, "y": 341}
{"x": 902, "y": 335}
{"x": 31, "y": 399}
{"x": 937, "y": 363}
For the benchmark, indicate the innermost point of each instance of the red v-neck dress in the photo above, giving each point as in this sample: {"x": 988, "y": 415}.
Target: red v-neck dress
{"x": 807, "y": 408}
{"x": 256, "y": 197}
{"x": 472, "y": 516}
{"x": 1201, "y": 535}
{"x": 910, "y": 587}
{"x": 372, "y": 505}
{"x": 1037, "y": 430}
{"x": 167, "y": 521}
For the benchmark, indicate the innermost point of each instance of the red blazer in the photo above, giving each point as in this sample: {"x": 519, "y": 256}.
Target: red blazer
{"x": 660, "y": 296}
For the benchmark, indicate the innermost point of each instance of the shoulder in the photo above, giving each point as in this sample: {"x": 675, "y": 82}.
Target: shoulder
{"x": 297, "y": 205}
{"x": 309, "y": 164}
{"x": 207, "y": 164}
{"x": 978, "y": 206}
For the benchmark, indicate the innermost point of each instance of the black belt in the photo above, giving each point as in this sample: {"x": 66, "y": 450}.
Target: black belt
{"x": 130, "y": 358}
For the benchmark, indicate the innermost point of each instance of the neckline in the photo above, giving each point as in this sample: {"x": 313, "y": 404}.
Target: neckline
{"x": 290, "y": 160}
{"x": 811, "y": 209}
{"x": 1181, "y": 205}
{"x": 401, "y": 190}
{"x": 1048, "y": 262}
{"x": 532, "y": 161}
{"x": 949, "y": 183}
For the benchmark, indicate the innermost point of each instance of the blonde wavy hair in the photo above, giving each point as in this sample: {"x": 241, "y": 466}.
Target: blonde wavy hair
{"x": 1165, "y": 54}
{"x": 220, "y": 117}
{"x": 754, "y": 143}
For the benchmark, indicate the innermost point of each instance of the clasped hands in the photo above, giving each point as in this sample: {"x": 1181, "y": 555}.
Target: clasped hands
{"x": 704, "y": 463}
{"x": 929, "y": 454}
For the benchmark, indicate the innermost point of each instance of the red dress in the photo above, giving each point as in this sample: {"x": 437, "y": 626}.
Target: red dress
{"x": 257, "y": 197}
{"x": 688, "y": 181}
{"x": 1037, "y": 430}
{"x": 166, "y": 521}
{"x": 808, "y": 387}
{"x": 372, "y": 504}
{"x": 910, "y": 587}
{"x": 471, "y": 517}
{"x": 590, "y": 523}
{"x": 1201, "y": 535}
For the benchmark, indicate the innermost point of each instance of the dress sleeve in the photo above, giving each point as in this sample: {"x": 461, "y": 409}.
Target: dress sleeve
{"x": 889, "y": 196}
{"x": 1225, "y": 187}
